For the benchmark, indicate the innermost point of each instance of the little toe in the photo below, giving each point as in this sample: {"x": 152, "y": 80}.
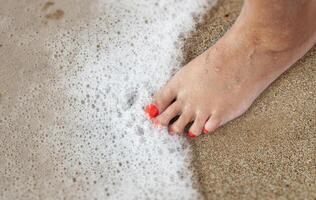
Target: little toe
{"x": 212, "y": 124}
{"x": 170, "y": 112}
{"x": 198, "y": 126}
{"x": 179, "y": 125}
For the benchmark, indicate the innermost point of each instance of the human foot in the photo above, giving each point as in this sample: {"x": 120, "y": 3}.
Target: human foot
{"x": 221, "y": 84}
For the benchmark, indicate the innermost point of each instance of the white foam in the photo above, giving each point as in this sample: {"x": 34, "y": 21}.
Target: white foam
{"x": 72, "y": 93}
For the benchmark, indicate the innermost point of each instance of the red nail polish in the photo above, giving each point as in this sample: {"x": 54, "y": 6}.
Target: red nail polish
{"x": 170, "y": 131}
{"x": 205, "y": 131}
{"x": 191, "y": 135}
{"x": 156, "y": 123}
{"x": 152, "y": 111}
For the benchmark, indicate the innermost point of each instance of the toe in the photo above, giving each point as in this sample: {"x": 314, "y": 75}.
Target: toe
{"x": 212, "y": 124}
{"x": 198, "y": 125}
{"x": 151, "y": 111}
{"x": 166, "y": 116}
{"x": 163, "y": 98}
{"x": 179, "y": 125}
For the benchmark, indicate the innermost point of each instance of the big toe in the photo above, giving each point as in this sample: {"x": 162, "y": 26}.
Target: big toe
{"x": 162, "y": 99}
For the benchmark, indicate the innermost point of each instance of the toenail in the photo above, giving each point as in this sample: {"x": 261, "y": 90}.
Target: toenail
{"x": 157, "y": 124}
{"x": 171, "y": 131}
{"x": 191, "y": 135}
{"x": 205, "y": 131}
{"x": 151, "y": 111}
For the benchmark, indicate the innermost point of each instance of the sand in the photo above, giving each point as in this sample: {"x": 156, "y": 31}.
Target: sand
{"x": 75, "y": 76}
{"x": 270, "y": 151}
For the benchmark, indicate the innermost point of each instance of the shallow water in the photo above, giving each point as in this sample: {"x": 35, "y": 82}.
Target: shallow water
{"x": 74, "y": 78}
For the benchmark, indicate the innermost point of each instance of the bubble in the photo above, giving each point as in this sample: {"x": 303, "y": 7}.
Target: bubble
{"x": 72, "y": 116}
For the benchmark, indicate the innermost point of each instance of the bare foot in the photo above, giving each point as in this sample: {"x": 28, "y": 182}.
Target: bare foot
{"x": 221, "y": 84}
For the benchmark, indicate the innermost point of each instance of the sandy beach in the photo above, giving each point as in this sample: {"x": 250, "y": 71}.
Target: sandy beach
{"x": 75, "y": 76}
{"x": 269, "y": 152}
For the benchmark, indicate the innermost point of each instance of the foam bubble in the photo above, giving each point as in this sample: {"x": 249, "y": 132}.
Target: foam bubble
{"x": 75, "y": 76}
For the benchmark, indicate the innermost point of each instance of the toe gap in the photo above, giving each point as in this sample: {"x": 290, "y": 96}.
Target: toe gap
{"x": 173, "y": 120}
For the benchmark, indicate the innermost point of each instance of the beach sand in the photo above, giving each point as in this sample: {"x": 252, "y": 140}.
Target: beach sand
{"x": 53, "y": 145}
{"x": 75, "y": 76}
{"x": 269, "y": 152}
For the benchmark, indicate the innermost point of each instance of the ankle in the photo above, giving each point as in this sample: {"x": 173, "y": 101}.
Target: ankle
{"x": 277, "y": 25}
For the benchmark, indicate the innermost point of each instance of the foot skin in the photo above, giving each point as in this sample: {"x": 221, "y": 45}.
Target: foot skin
{"x": 221, "y": 84}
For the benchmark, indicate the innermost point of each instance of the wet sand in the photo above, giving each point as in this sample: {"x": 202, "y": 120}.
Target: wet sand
{"x": 75, "y": 76}
{"x": 269, "y": 152}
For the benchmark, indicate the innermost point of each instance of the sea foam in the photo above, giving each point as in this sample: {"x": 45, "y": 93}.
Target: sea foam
{"x": 75, "y": 76}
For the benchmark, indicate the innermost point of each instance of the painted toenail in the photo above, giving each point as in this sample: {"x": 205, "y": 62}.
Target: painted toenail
{"x": 191, "y": 135}
{"x": 205, "y": 131}
{"x": 156, "y": 123}
{"x": 151, "y": 111}
{"x": 171, "y": 131}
